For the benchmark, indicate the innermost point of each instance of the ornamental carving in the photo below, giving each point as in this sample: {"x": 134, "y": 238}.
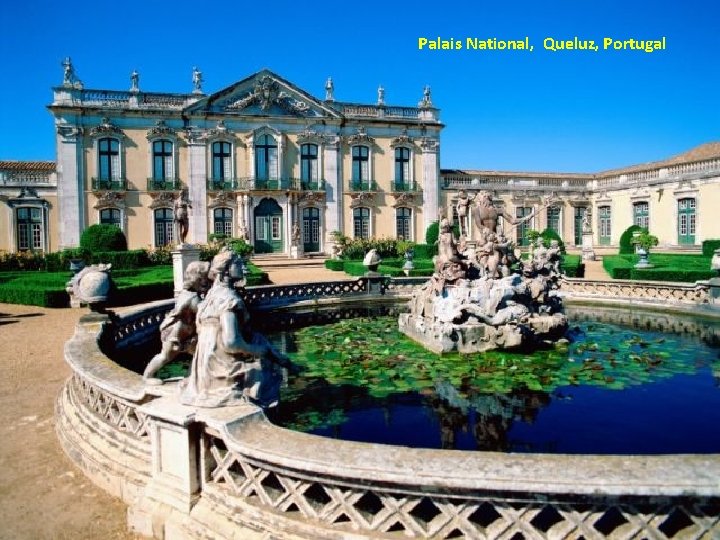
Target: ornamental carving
{"x": 429, "y": 145}
{"x": 163, "y": 199}
{"x": 222, "y": 199}
{"x": 161, "y": 129}
{"x": 404, "y": 199}
{"x": 360, "y": 137}
{"x": 110, "y": 199}
{"x": 402, "y": 140}
{"x": 312, "y": 198}
{"x": 310, "y": 135}
{"x": 195, "y": 135}
{"x": 266, "y": 93}
{"x": 362, "y": 198}
{"x": 69, "y": 132}
{"x": 106, "y": 128}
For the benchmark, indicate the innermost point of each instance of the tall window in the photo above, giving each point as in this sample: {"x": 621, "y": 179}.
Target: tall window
{"x": 29, "y": 227}
{"x": 109, "y": 159}
{"x": 163, "y": 226}
{"x": 223, "y": 221}
{"x": 641, "y": 214}
{"x": 361, "y": 223}
{"x": 686, "y": 221}
{"x": 579, "y": 217}
{"x": 360, "y": 164}
{"x": 221, "y": 164}
{"x": 309, "y": 162}
{"x": 163, "y": 160}
{"x": 553, "y": 218}
{"x": 604, "y": 224}
{"x": 522, "y": 228}
{"x": 402, "y": 168}
{"x": 403, "y": 221}
{"x": 266, "y": 158}
{"x": 110, "y": 216}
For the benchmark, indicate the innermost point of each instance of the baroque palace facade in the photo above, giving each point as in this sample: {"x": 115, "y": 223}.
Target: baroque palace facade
{"x": 262, "y": 155}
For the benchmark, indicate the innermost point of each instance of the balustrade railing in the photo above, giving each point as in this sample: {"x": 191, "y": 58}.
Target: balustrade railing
{"x": 164, "y": 184}
{"x": 405, "y": 186}
{"x": 103, "y": 184}
{"x": 27, "y": 178}
{"x": 363, "y": 186}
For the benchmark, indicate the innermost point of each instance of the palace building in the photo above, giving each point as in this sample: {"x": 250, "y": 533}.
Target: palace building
{"x": 262, "y": 156}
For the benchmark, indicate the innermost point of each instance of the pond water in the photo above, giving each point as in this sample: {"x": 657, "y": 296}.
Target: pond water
{"x": 611, "y": 390}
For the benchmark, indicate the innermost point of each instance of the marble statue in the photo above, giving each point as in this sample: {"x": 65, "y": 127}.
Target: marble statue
{"x": 177, "y": 331}
{"x": 462, "y": 206}
{"x": 329, "y": 89}
{"x": 586, "y": 224}
{"x": 381, "y": 95}
{"x": 484, "y": 297}
{"x": 134, "y": 81}
{"x": 232, "y": 364}
{"x": 197, "y": 80}
{"x": 295, "y": 237}
{"x": 181, "y": 218}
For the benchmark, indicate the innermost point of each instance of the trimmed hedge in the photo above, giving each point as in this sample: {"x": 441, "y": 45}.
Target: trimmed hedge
{"x": 668, "y": 267}
{"x": 425, "y": 251}
{"x": 548, "y": 235}
{"x": 709, "y": 247}
{"x": 335, "y": 264}
{"x": 573, "y": 266}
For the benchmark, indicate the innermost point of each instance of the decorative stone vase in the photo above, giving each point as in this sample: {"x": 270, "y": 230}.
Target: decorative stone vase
{"x": 715, "y": 261}
{"x": 76, "y": 265}
{"x": 409, "y": 264}
{"x": 644, "y": 261}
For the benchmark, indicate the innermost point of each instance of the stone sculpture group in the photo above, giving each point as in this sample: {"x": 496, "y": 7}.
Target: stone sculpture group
{"x": 482, "y": 295}
{"x": 231, "y": 364}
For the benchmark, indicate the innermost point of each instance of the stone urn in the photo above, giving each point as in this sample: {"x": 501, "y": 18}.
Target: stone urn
{"x": 715, "y": 261}
{"x": 409, "y": 264}
{"x": 76, "y": 265}
{"x": 644, "y": 261}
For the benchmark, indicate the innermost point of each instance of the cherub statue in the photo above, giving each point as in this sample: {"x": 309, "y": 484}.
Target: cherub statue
{"x": 177, "y": 331}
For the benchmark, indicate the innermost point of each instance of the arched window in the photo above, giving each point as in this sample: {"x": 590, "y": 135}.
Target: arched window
{"x": 360, "y": 167}
{"x": 266, "y": 158}
{"x": 223, "y": 222}
{"x": 163, "y": 160}
{"x": 309, "y": 163}
{"x": 163, "y": 227}
{"x": 29, "y": 226}
{"x": 403, "y": 223}
{"x": 221, "y": 164}
{"x": 402, "y": 169}
{"x": 108, "y": 160}
{"x": 111, "y": 216}
{"x": 361, "y": 223}
{"x": 686, "y": 221}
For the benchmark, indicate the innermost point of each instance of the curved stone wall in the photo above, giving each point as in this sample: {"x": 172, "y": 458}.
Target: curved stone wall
{"x": 229, "y": 473}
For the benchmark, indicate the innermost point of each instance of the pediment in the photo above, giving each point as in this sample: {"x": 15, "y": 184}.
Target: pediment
{"x": 263, "y": 94}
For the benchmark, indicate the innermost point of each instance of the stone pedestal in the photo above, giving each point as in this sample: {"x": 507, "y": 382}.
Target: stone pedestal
{"x": 296, "y": 252}
{"x": 588, "y": 253}
{"x": 182, "y": 255}
{"x": 715, "y": 292}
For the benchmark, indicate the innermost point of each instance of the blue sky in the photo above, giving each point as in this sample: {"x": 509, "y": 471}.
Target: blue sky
{"x": 508, "y": 110}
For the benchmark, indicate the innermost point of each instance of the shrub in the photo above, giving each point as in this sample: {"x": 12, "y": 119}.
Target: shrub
{"x": 160, "y": 255}
{"x": 425, "y": 251}
{"x": 335, "y": 264}
{"x": 548, "y": 235}
{"x": 573, "y": 266}
{"x": 626, "y": 245}
{"x": 136, "y": 258}
{"x": 709, "y": 247}
{"x": 356, "y": 248}
{"x": 432, "y": 233}
{"x": 103, "y": 237}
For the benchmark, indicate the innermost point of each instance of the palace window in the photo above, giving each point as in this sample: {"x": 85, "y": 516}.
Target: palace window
{"x": 223, "y": 222}
{"x": 309, "y": 163}
{"x": 641, "y": 214}
{"x": 520, "y": 212}
{"x": 604, "y": 230}
{"x": 361, "y": 223}
{"x": 108, "y": 159}
{"x": 686, "y": 220}
{"x": 553, "y": 219}
{"x": 402, "y": 168}
{"x": 163, "y": 227}
{"x": 266, "y": 158}
{"x": 221, "y": 162}
{"x": 403, "y": 223}
{"x": 360, "y": 164}
{"x": 111, "y": 216}
{"x": 579, "y": 217}
{"x": 29, "y": 227}
{"x": 163, "y": 160}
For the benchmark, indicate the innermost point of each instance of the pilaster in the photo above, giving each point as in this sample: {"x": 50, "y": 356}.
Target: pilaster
{"x": 197, "y": 188}
{"x": 430, "y": 180}
{"x": 70, "y": 184}
{"x": 333, "y": 191}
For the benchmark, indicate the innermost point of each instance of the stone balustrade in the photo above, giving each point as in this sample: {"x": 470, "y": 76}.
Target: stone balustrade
{"x": 229, "y": 473}
{"x": 629, "y": 291}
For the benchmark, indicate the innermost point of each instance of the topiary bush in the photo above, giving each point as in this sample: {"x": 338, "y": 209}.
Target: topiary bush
{"x": 548, "y": 235}
{"x": 626, "y": 245}
{"x": 335, "y": 264}
{"x": 432, "y": 233}
{"x": 103, "y": 237}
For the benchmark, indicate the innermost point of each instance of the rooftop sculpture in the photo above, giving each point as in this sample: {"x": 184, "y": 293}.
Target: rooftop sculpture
{"x": 475, "y": 301}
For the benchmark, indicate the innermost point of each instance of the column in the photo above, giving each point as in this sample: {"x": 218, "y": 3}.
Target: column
{"x": 197, "y": 188}
{"x": 70, "y": 185}
{"x": 333, "y": 215}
